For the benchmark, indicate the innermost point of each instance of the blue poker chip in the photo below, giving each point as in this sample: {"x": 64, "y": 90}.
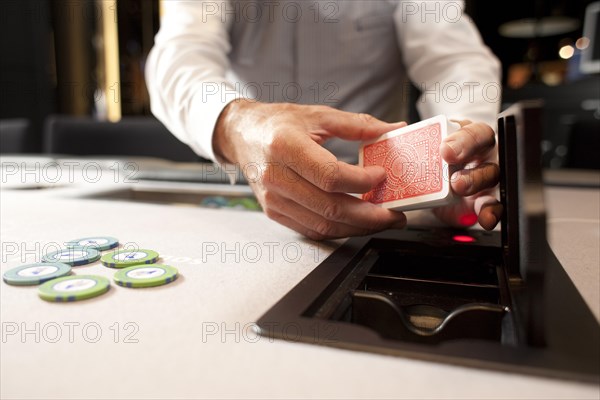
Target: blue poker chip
{"x": 35, "y": 274}
{"x": 73, "y": 256}
{"x": 214, "y": 202}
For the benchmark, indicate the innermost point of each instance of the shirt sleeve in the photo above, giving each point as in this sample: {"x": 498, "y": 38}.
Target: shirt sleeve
{"x": 186, "y": 71}
{"x": 447, "y": 60}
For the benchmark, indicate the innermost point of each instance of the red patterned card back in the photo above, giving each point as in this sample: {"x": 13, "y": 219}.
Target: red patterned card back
{"x": 413, "y": 164}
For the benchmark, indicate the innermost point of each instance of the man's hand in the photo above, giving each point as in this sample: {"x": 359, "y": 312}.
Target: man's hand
{"x": 473, "y": 149}
{"x": 299, "y": 183}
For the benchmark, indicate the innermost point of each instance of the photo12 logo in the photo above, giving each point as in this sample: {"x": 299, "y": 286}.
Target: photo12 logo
{"x": 250, "y": 332}
{"x": 69, "y": 332}
{"x": 432, "y": 11}
{"x": 272, "y": 92}
{"x": 251, "y": 252}
{"x": 269, "y": 11}
{"x": 54, "y": 172}
{"x": 454, "y": 92}
{"x": 34, "y": 251}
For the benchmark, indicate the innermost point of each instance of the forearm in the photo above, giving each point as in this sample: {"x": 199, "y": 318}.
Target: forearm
{"x": 185, "y": 74}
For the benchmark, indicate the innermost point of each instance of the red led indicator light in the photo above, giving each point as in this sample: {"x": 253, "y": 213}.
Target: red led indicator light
{"x": 463, "y": 239}
{"x": 467, "y": 219}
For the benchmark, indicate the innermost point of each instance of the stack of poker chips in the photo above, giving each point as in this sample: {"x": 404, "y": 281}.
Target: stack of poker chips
{"x": 137, "y": 269}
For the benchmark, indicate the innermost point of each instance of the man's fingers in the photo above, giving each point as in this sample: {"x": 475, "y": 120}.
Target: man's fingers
{"x": 346, "y": 178}
{"x": 472, "y": 141}
{"x": 295, "y": 226}
{"x": 324, "y": 171}
{"x": 489, "y": 211}
{"x": 321, "y": 168}
{"x": 490, "y": 216}
{"x": 352, "y": 126}
{"x": 467, "y": 182}
{"x": 314, "y": 226}
{"x": 339, "y": 207}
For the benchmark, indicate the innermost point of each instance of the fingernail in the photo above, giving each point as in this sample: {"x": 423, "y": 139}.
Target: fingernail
{"x": 459, "y": 175}
{"x": 455, "y": 146}
{"x": 399, "y": 124}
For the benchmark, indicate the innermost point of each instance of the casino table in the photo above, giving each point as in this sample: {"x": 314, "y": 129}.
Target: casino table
{"x": 195, "y": 337}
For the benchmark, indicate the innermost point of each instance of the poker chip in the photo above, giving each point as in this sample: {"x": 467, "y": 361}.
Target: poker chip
{"x": 127, "y": 258}
{"x": 245, "y": 203}
{"x": 214, "y": 202}
{"x": 35, "y": 274}
{"x": 73, "y": 256}
{"x": 95, "y": 242}
{"x": 141, "y": 276}
{"x": 74, "y": 288}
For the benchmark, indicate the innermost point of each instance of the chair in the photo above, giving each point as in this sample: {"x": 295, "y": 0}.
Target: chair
{"x": 13, "y": 135}
{"x": 132, "y": 136}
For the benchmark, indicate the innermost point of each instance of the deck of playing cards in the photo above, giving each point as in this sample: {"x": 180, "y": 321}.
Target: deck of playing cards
{"x": 417, "y": 176}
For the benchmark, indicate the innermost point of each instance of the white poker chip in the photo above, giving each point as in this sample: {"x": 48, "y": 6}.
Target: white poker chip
{"x": 73, "y": 256}
{"x": 96, "y": 242}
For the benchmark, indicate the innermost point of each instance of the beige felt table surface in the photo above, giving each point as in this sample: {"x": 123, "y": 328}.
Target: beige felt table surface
{"x": 193, "y": 338}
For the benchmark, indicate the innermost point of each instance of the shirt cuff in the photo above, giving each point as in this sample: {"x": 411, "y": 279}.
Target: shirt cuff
{"x": 206, "y": 108}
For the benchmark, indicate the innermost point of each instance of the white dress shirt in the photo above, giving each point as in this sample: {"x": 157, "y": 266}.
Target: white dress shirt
{"x": 352, "y": 55}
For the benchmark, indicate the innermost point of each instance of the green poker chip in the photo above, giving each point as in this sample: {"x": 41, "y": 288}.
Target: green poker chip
{"x": 245, "y": 203}
{"x": 35, "y": 274}
{"x": 74, "y": 288}
{"x": 73, "y": 256}
{"x": 141, "y": 276}
{"x": 95, "y": 242}
{"x": 127, "y": 258}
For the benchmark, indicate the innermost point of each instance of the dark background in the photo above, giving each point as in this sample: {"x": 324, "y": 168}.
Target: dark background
{"x": 48, "y": 63}
{"x": 489, "y": 15}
